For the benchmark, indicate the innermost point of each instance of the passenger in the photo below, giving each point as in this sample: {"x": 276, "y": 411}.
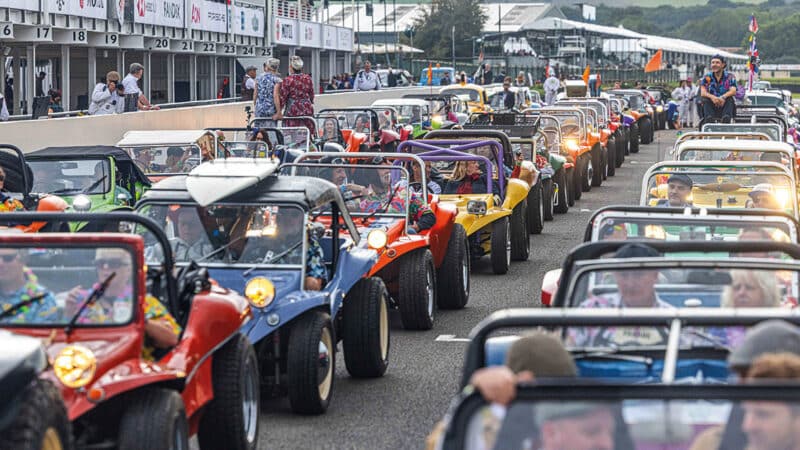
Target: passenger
{"x": 116, "y": 305}
{"x": 192, "y": 242}
{"x": 679, "y": 186}
{"x": 717, "y": 90}
{"x": 613, "y": 232}
{"x": 8, "y": 203}
{"x": 468, "y": 179}
{"x": 362, "y": 124}
{"x": 176, "y": 157}
{"x": 435, "y": 179}
{"x": 763, "y": 196}
{"x": 377, "y": 194}
{"x": 328, "y": 132}
{"x": 18, "y": 284}
{"x": 751, "y": 289}
{"x": 576, "y": 425}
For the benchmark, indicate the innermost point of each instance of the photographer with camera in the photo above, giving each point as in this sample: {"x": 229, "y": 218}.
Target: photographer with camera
{"x": 106, "y": 97}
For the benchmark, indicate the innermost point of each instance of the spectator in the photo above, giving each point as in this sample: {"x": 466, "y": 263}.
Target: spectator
{"x": 391, "y": 78}
{"x": 55, "y": 102}
{"x": 267, "y": 95}
{"x": 366, "y": 79}
{"x": 249, "y": 84}
{"x": 9, "y": 93}
{"x": 332, "y": 84}
{"x": 131, "y": 83}
{"x": 520, "y": 81}
{"x": 105, "y": 98}
{"x": 4, "y": 115}
{"x": 551, "y": 85}
{"x": 297, "y": 95}
{"x": 717, "y": 90}
{"x": 509, "y": 98}
{"x": 40, "y": 84}
{"x": 486, "y": 75}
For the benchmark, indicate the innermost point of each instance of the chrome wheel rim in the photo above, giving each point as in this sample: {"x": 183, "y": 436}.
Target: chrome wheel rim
{"x": 508, "y": 242}
{"x": 51, "y": 440}
{"x": 250, "y": 404}
{"x": 429, "y": 288}
{"x": 465, "y": 269}
{"x": 325, "y": 367}
{"x": 384, "y": 331}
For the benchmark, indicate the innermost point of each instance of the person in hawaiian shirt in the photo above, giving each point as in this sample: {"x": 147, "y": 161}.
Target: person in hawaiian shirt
{"x": 717, "y": 89}
{"x": 116, "y": 305}
{"x": 7, "y": 203}
{"x": 380, "y": 188}
{"x": 19, "y": 284}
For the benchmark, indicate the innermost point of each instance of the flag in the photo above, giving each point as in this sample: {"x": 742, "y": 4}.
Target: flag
{"x": 752, "y": 63}
{"x": 654, "y": 64}
{"x": 753, "y": 27}
{"x": 430, "y": 74}
{"x": 586, "y": 75}
{"x": 480, "y": 56}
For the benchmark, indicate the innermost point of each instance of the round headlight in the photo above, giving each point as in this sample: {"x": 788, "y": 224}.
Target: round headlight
{"x": 376, "y": 239}
{"x": 82, "y": 203}
{"x": 259, "y": 292}
{"x": 75, "y": 366}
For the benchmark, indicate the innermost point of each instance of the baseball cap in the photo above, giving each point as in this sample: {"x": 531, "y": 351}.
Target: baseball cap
{"x": 551, "y": 410}
{"x": 637, "y": 250}
{"x": 542, "y": 354}
{"x": 770, "y": 336}
{"x": 681, "y": 178}
{"x": 720, "y": 57}
{"x": 762, "y": 188}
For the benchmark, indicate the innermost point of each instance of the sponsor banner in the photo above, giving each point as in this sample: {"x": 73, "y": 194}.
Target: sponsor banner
{"x": 344, "y": 39}
{"x": 168, "y": 13}
{"x": 27, "y": 5}
{"x": 248, "y": 20}
{"x": 310, "y": 34}
{"x": 286, "y": 31}
{"x": 116, "y": 10}
{"x": 95, "y": 9}
{"x": 329, "y": 37}
{"x": 206, "y": 15}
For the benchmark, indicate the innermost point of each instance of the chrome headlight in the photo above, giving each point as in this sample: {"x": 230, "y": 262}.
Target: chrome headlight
{"x": 82, "y": 203}
{"x": 75, "y": 366}
{"x": 377, "y": 239}
{"x": 572, "y": 145}
{"x": 477, "y": 207}
{"x": 260, "y": 292}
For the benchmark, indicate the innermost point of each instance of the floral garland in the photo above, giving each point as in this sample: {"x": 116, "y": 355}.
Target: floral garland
{"x": 30, "y": 290}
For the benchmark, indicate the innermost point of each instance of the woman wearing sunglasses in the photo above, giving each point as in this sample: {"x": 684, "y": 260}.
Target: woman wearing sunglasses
{"x": 7, "y": 203}
{"x": 379, "y": 188}
{"x": 116, "y": 304}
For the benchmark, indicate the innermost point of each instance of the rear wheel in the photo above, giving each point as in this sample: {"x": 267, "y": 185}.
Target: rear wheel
{"x": 520, "y": 235}
{"x": 365, "y": 326}
{"x": 646, "y": 130}
{"x": 41, "y": 421}
{"x": 231, "y": 418}
{"x": 563, "y": 194}
{"x": 417, "y": 297}
{"x": 611, "y": 156}
{"x": 579, "y": 177}
{"x": 597, "y": 166}
{"x": 311, "y": 363}
{"x": 453, "y": 275}
{"x": 587, "y": 173}
{"x": 622, "y": 146}
{"x": 155, "y": 418}
{"x": 634, "y": 138}
{"x": 570, "y": 184}
{"x": 501, "y": 246}
{"x": 548, "y": 199}
{"x": 535, "y": 209}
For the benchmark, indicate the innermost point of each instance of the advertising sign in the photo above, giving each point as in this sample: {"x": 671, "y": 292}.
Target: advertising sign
{"x": 329, "y": 37}
{"x": 248, "y": 20}
{"x": 95, "y": 9}
{"x": 285, "y": 31}
{"x": 310, "y": 34}
{"x": 27, "y": 5}
{"x": 206, "y": 15}
{"x": 344, "y": 39}
{"x": 168, "y": 13}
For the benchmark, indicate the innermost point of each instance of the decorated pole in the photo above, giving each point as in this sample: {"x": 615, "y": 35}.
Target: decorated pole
{"x": 753, "y": 61}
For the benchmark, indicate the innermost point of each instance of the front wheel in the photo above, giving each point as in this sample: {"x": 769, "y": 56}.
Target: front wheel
{"x": 634, "y": 138}
{"x": 155, "y": 418}
{"x": 417, "y": 295}
{"x": 596, "y": 178}
{"x": 535, "y": 208}
{"x": 365, "y": 325}
{"x": 311, "y": 363}
{"x": 622, "y": 147}
{"x": 579, "y": 177}
{"x": 646, "y": 131}
{"x": 611, "y": 156}
{"x": 453, "y": 275}
{"x": 563, "y": 194}
{"x": 501, "y": 246}
{"x": 520, "y": 235}
{"x": 41, "y": 420}
{"x": 570, "y": 184}
{"x": 548, "y": 199}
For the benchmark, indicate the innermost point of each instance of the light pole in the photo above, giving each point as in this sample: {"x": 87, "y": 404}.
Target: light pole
{"x": 453, "y": 38}
{"x": 386, "y": 35}
{"x": 396, "y": 36}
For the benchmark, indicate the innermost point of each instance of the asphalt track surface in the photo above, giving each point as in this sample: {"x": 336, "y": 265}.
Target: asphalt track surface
{"x": 398, "y": 410}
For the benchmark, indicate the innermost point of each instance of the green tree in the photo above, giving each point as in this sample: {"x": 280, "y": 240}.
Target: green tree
{"x": 434, "y": 27}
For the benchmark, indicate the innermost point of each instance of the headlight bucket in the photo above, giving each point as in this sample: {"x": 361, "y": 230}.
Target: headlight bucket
{"x": 477, "y": 207}
{"x": 377, "y": 239}
{"x": 260, "y": 292}
{"x": 82, "y": 203}
{"x": 75, "y": 366}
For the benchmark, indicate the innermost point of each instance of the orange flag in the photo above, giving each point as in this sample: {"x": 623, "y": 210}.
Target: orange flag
{"x": 654, "y": 64}
{"x": 586, "y": 75}
{"x": 430, "y": 74}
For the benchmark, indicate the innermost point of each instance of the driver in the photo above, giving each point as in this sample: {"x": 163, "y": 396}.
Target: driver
{"x": 7, "y": 203}
{"x": 763, "y": 196}
{"x": 19, "y": 284}
{"x": 176, "y": 157}
{"x": 468, "y": 179}
{"x": 576, "y": 425}
{"x": 362, "y": 124}
{"x": 192, "y": 242}
{"x": 117, "y": 302}
{"x": 328, "y": 131}
{"x": 380, "y": 188}
{"x": 679, "y": 186}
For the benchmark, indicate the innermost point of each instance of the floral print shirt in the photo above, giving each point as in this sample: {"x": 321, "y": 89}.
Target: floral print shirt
{"x": 297, "y": 97}
{"x": 315, "y": 261}
{"x": 417, "y": 208}
{"x": 9, "y": 204}
{"x": 41, "y": 311}
{"x": 265, "y": 102}
{"x": 717, "y": 88}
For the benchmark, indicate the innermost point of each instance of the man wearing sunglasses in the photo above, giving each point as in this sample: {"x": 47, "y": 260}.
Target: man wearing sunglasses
{"x": 19, "y": 285}
{"x": 116, "y": 305}
{"x": 7, "y": 203}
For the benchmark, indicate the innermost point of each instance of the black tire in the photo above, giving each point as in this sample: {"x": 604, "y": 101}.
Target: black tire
{"x": 501, "y": 246}
{"x": 611, "y": 156}
{"x": 563, "y": 194}
{"x": 634, "y": 138}
{"x": 646, "y": 131}
{"x": 548, "y": 199}
{"x": 573, "y": 192}
{"x": 520, "y": 234}
{"x": 587, "y": 172}
{"x": 622, "y": 146}
{"x": 365, "y": 329}
{"x": 231, "y": 418}
{"x": 627, "y": 137}
{"x": 535, "y": 209}
{"x": 41, "y": 421}
{"x": 417, "y": 298}
{"x": 604, "y": 162}
{"x": 453, "y": 275}
{"x": 154, "y": 418}
{"x": 311, "y": 384}
{"x": 597, "y": 166}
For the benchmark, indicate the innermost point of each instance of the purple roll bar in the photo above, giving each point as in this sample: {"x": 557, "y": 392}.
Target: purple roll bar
{"x": 457, "y": 153}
